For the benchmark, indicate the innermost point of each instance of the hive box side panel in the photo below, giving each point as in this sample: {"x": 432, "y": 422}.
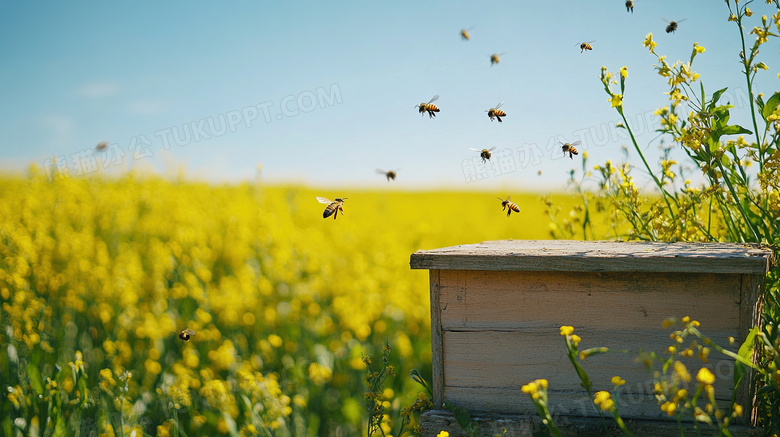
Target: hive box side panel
{"x": 437, "y": 344}
{"x": 486, "y": 370}
{"x": 500, "y": 330}
{"x": 519, "y": 300}
{"x": 750, "y": 316}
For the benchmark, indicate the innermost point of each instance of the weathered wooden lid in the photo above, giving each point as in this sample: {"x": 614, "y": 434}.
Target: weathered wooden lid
{"x": 597, "y": 256}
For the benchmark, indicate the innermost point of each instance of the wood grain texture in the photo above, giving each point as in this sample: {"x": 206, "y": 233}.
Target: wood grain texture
{"x": 750, "y": 316}
{"x": 437, "y": 343}
{"x": 596, "y": 256}
{"x": 435, "y": 421}
{"x": 501, "y": 330}
{"x": 486, "y": 370}
{"x": 522, "y": 300}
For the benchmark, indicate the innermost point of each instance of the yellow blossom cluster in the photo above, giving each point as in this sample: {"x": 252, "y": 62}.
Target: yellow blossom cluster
{"x": 115, "y": 268}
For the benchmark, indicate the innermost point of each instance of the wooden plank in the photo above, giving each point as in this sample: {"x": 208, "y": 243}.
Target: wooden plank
{"x": 437, "y": 342}
{"x": 749, "y": 316}
{"x": 435, "y": 421}
{"x": 485, "y": 370}
{"x": 597, "y": 256}
{"x": 521, "y": 300}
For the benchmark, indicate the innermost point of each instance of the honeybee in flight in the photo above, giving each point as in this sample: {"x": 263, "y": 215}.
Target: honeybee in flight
{"x": 509, "y": 204}
{"x": 185, "y": 335}
{"x": 429, "y": 107}
{"x": 495, "y": 112}
{"x": 672, "y": 25}
{"x": 567, "y": 147}
{"x": 103, "y": 145}
{"x": 586, "y": 46}
{"x": 630, "y": 6}
{"x": 390, "y": 174}
{"x": 484, "y": 153}
{"x": 333, "y": 207}
{"x": 464, "y": 33}
{"x": 494, "y": 58}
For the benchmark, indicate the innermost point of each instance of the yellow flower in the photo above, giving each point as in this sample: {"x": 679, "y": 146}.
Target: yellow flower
{"x": 698, "y": 48}
{"x": 705, "y": 377}
{"x": 748, "y": 12}
{"x": 617, "y": 381}
{"x": 649, "y": 43}
{"x": 703, "y": 354}
{"x": 443, "y": 434}
{"x": 604, "y": 401}
{"x": 617, "y": 100}
{"x": 624, "y": 72}
{"x": 669, "y": 408}
{"x": 567, "y": 330}
{"x": 681, "y": 371}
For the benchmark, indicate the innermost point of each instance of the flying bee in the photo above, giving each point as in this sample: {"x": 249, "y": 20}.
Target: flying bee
{"x": 509, "y": 204}
{"x": 630, "y": 6}
{"x": 484, "y": 153}
{"x": 464, "y": 33}
{"x": 390, "y": 174}
{"x": 585, "y": 46}
{"x": 103, "y": 145}
{"x": 495, "y": 112}
{"x": 185, "y": 335}
{"x": 333, "y": 207}
{"x": 494, "y": 58}
{"x": 570, "y": 149}
{"x": 429, "y": 107}
{"x": 672, "y": 25}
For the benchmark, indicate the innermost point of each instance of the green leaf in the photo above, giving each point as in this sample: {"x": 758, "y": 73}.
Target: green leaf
{"x": 734, "y": 129}
{"x": 34, "y": 371}
{"x": 770, "y": 106}
{"x": 415, "y": 375}
{"x": 721, "y": 114}
{"x": 745, "y": 351}
{"x": 463, "y": 417}
{"x": 715, "y": 97}
{"x": 230, "y": 423}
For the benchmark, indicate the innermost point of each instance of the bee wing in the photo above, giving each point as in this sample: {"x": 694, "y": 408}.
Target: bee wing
{"x": 436, "y": 97}
{"x": 680, "y": 21}
{"x": 380, "y": 171}
{"x": 189, "y": 331}
{"x": 591, "y": 41}
{"x": 491, "y": 149}
{"x": 323, "y": 200}
{"x": 499, "y": 105}
{"x": 476, "y": 150}
{"x": 576, "y": 143}
{"x": 665, "y": 19}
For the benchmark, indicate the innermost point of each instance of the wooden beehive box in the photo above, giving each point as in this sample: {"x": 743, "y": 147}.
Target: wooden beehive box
{"x": 497, "y": 308}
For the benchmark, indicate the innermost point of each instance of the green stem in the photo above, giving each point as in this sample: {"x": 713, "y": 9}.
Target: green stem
{"x": 738, "y": 203}
{"x": 121, "y": 416}
{"x": 746, "y": 63}
{"x": 664, "y": 193}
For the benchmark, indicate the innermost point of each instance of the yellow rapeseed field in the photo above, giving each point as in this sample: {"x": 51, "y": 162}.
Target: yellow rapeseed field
{"x": 97, "y": 277}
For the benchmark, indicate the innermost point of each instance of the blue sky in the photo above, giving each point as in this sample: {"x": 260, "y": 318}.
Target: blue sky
{"x": 324, "y": 93}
